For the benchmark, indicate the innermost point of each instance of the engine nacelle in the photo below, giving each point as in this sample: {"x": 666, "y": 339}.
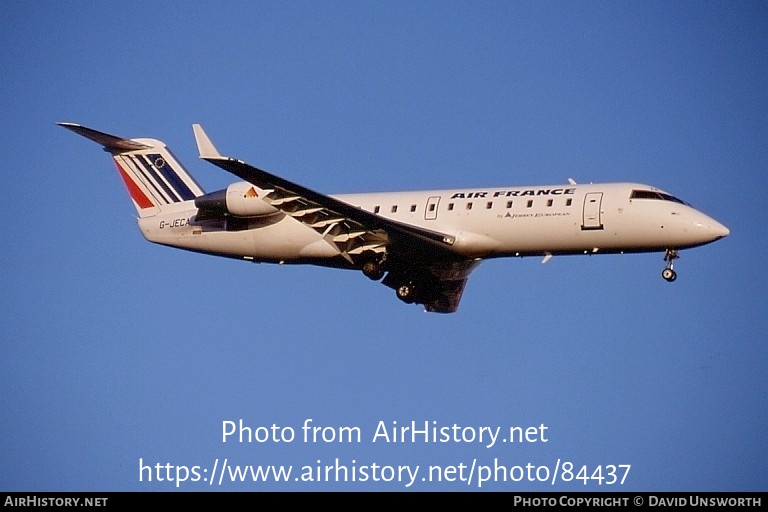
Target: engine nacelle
{"x": 239, "y": 199}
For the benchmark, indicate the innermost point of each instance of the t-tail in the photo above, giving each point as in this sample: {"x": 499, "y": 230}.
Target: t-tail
{"x": 155, "y": 179}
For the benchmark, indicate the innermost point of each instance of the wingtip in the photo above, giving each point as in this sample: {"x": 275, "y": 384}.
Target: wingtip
{"x": 204, "y": 145}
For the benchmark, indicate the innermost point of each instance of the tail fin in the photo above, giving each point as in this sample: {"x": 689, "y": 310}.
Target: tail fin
{"x": 153, "y": 176}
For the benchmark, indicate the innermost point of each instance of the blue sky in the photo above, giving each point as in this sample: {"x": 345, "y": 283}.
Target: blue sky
{"x": 117, "y": 352}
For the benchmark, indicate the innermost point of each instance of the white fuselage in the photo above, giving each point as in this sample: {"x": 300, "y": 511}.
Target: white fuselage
{"x": 486, "y": 223}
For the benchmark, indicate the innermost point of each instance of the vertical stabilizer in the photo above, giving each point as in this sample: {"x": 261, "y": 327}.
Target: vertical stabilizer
{"x": 155, "y": 179}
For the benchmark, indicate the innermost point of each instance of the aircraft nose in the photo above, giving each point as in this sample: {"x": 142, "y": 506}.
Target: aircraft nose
{"x": 720, "y": 230}
{"x": 713, "y": 229}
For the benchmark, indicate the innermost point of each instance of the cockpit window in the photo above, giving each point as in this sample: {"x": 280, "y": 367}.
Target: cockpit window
{"x": 659, "y": 196}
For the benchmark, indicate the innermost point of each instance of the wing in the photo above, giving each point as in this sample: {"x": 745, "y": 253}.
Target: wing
{"x": 415, "y": 257}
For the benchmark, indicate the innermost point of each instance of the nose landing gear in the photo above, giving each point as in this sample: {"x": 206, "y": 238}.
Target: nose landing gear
{"x": 669, "y": 273}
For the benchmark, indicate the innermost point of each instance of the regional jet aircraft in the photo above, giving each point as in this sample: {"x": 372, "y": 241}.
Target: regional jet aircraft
{"x": 422, "y": 244}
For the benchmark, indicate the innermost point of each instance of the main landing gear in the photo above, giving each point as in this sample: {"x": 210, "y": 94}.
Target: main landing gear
{"x": 410, "y": 287}
{"x": 669, "y": 273}
{"x": 375, "y": 266}
{"x": 418, "y": 289}
{"x": 373, "y": 270}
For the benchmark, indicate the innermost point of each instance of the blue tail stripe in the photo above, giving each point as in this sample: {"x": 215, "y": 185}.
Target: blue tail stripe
{"x": 146, "y": 166}
{"x": 176, "y": 182}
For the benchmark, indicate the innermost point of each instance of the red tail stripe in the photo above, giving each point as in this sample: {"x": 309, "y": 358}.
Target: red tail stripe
{"x": 138, "y": 196}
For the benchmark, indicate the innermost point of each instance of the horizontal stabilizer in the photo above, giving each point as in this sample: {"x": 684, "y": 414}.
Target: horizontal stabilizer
{"x": 110, "y": 142}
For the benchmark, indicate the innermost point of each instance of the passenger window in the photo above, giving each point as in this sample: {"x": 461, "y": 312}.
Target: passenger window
{"x": 413, "y": 208}
{"x": 394, "y": 208}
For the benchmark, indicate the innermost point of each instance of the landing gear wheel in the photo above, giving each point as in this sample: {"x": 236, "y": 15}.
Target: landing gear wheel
{"x": 669, "y": 273}
{"x": 373, "y": 270}
{"x": 406, "y": 292}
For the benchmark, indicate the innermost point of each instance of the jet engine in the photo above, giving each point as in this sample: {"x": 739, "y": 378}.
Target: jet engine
{"x": 239, "y": 199}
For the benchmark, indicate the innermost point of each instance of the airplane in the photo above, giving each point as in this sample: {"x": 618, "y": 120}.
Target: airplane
{"x": 422, "y": 244}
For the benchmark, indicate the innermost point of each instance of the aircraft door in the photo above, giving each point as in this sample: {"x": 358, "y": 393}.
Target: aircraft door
{"x": 591, "y": 218}
{"x": 430, "y": 213}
